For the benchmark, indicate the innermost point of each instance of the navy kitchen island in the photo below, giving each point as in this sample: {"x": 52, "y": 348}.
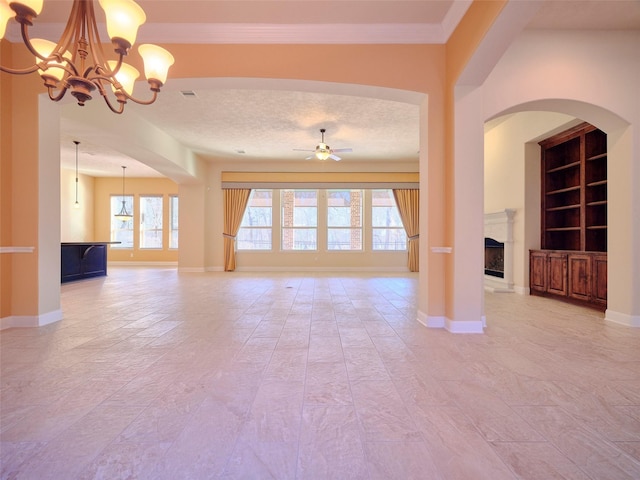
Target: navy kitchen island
{"x": 83, "y": 260}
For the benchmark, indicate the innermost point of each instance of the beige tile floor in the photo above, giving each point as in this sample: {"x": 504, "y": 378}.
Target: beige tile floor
{"x": 158, "y": 375}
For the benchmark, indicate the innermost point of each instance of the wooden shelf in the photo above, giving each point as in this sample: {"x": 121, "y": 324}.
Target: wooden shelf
{"x": 595, "y": 204}
{"x": 563, "y": 207}
{"x": 597, "y": 227}
{"x": 563, "y": 190}
{"x": 563, "y": 229}
{"x": 597, "y": 157}
{"x": 596, "y": 184}
{"x": 564, "y": 167}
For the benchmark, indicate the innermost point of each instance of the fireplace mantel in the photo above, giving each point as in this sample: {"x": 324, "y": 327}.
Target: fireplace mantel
{"x": 499, "y": 226}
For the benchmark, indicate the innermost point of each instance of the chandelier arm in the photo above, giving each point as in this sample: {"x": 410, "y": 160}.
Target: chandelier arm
{"x": 31, "y": 69}
{"x": 74, "y": 35}
{"x": 114, "y": 110}
{"x": 143, "y": 102}
{"x": 61, "y": 94}
{"x": 95, "y": 45}
{"x": 24, "y": 30}
{"x": 56, "y": 54}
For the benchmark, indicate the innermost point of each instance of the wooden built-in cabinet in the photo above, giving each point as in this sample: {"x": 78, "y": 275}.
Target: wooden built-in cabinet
{"x": 572, "y": 261}
{"x": 575, "y": 276}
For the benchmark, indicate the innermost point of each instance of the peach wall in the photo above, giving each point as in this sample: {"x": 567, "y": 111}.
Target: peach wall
{"x": 407, "y": 67}
{"x": 5, "y": 186}
{"x": 104, "y": 188}
{"x": 24, "y": 159}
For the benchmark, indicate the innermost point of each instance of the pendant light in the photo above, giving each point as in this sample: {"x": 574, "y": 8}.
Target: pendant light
{"x": 76, "y": 205}
{"x": 123, "y": 214}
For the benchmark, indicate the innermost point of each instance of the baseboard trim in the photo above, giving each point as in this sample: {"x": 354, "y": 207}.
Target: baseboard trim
{"x": 622, "y": 318}
{"x": 141, "y": 264}
{"x": 324, "y": 269}
{"x": 26, "y": 321}
{"x": 466, "y": 326}
{"x": 431, "y": 321}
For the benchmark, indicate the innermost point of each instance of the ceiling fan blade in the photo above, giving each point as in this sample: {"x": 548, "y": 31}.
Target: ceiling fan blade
{"x": 335, "y": 157}
{"x": 342, "y": 150}
{"x": 310, "y": 157}
{"x": 302, "y": 150}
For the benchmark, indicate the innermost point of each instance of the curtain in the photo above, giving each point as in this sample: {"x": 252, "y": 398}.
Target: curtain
{"x": 235, "y": 203}
{"x": 408, "y": 202}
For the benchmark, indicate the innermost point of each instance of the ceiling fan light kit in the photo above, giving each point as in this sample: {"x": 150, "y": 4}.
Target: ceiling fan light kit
{"x": 324, "y": 151}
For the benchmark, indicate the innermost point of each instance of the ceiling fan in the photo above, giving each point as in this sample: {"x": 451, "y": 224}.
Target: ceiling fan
{"x": 324, "y": 151}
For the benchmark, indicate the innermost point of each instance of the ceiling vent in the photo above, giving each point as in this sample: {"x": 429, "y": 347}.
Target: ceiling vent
{"x": 188, "y": 93}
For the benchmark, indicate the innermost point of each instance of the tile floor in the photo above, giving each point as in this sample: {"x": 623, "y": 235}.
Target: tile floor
{"x": 158, "y": 375}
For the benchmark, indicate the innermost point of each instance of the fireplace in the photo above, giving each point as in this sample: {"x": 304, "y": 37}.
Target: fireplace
{"x": 498, "y": 251}
{"x": 493, "y": 258}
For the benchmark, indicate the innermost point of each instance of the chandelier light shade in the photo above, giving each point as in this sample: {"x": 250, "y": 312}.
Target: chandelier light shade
{"x": 77, "y": 62}
{"x": 76, "y": 205}
{"x": 123, "y": 214}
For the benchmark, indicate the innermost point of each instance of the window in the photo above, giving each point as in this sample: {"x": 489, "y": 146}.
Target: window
{"x": 150, "y": 221}
{"x": 344, "y": 219}
{"x": 299, "y": 219}
{"x": 387, "y": 230}
{"x": 173, "y": 221}
{"x": 255, "y": 230}
{"x": 121, "y": 231}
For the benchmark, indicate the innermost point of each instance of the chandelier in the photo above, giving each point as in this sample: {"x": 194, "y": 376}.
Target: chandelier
{"x": 77, "y": 62}
{"x": 123, "y": 214}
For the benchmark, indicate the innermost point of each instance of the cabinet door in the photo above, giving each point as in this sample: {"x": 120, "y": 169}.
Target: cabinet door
{"x": 599, "y": 279}
{"x": 538, "y": 271}
{"x": 580, "y": 276}
{"x": 557, "y": 273}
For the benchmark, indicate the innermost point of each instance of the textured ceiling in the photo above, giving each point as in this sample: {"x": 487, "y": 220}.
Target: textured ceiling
{"x": 270, "y": 123}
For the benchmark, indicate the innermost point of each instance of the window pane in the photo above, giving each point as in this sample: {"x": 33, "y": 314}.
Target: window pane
{"x": 173, "y": 220}
{"x": 121, "y": 231}
{"x": 344, "y": 239}
{"x": 150, "y": 222}
{"x": 389, "y": 239}
{"x": 256, "y": 227}
{"x": 305, "y": 217}
{"x": 299, "y": 219}
{"x": 388, "y": 231}
{"x": 344, "y": 209}
{"x": 385, "y": 217}
{"x": 254, "y": 239}
{"x": 299, "y": 238}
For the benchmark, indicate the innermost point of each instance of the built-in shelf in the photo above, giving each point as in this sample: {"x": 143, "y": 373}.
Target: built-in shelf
{"x": 572, "y": 263}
